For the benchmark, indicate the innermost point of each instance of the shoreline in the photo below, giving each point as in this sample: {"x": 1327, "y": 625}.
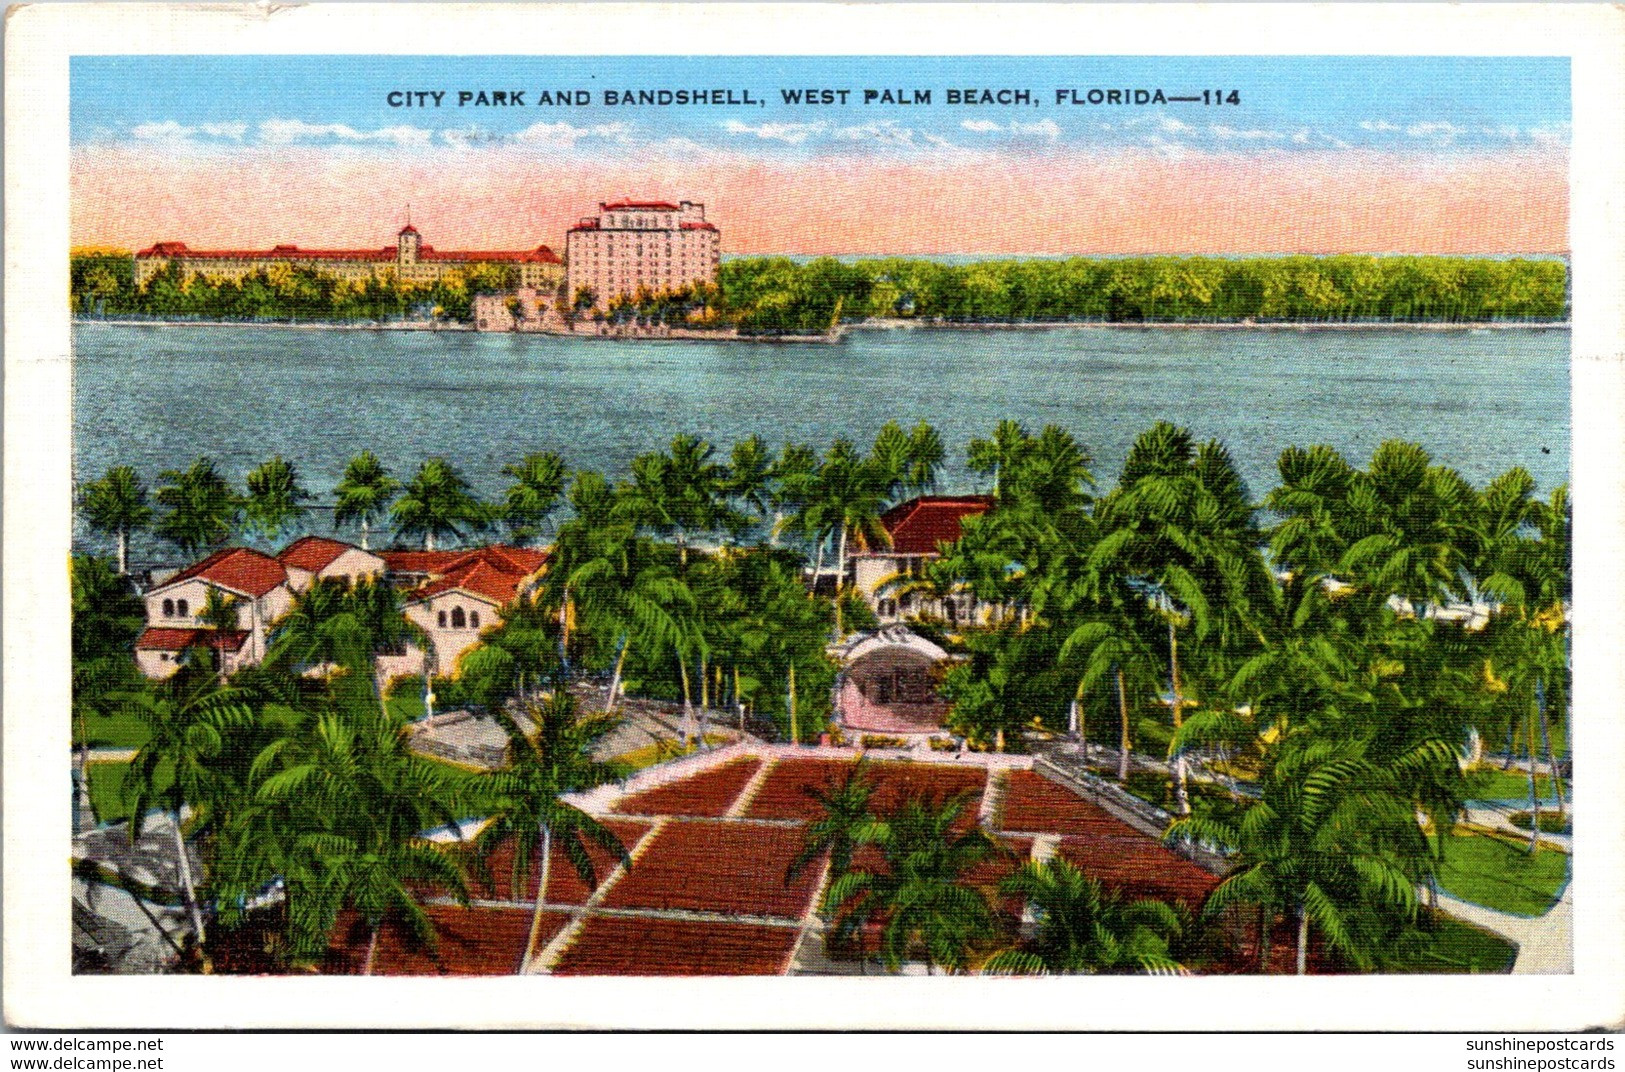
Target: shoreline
{"x": 901, "y": 324}
{"x": 889, "y": 324}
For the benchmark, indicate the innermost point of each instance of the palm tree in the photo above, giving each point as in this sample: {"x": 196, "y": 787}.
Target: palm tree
{"x": 364, "y": 493}
{"x": 106, "y": 618}
{"x": 910, "y": 462}
{"x": 793, "y": 476}
{"x": 437, "y": 503}
{"x": 1116, "y": 658}
{"x": 846, "y": 814}
{"x": 117, "y": 505}
{"x": 750, "y": 478}
{"x": 997, "y": 456}
{"x": 919, "y": 896}
{"x": 625, "y": 591}
{"x": 201, "y": 509}
{"x": 538, "y": 485}
{"x": 546, "y": 764}
{"x": 1083, "y": 928}
{"x": 221, "y": 612}
{"x": 849, "y": 497}
{"x": 344, "y": 806}
{"x": 180, "y": 765}
{"x": 1332, "y": 840}
{"x": 1178, "y": 529}
{"x": 680, "y": 492}
{"x": 274, "y": 494}
{"x": 1419, "y": 517}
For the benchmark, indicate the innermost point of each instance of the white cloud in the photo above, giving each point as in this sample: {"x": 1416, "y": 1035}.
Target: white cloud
{"x": 170, "y": 130}
{"x": 287, "y": 131}
{"x": 789, "y": 133}
{"x": 1436, "y": 129}
{"x": 234, "y": 131}
{"x": 883, "y": 132}
{"x": 1219, "y": 130}
{"x": 1047, "y": 129}
{"x": 1549, "y": 135}
{"x": 567, "y": 134}
{"x": 1379, "y": 126}
{"x": 1170, "y": 125}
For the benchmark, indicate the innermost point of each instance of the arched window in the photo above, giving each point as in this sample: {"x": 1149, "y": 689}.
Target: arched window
{"x": 169, "y": 608}
{"x": 473, "y": 619}
{"x": 181, "y": 608}
{"x": 442, "y": 619}
{"x": 457, "y": 619}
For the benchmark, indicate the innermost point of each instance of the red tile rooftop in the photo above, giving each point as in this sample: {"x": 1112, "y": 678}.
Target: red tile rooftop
{"x": 733, "y": 870}
{"x": 285, "y": 251}
{"x": 564, "y": 884}
{"x": 237, "y": 569}
{"x": 161, "y": 638}
{"x": 710, "y": 793}
{"x": 313, "y": 553}
{"x": 1034, "y": 804}
{"x": 786, "y": 792}
{"x": 1139, "y": 867}
{"x": 624, "y": 945}
{"x": 916, "y": 527}
{"x": 469, "y": 941}
{"x": 718, "y": 866}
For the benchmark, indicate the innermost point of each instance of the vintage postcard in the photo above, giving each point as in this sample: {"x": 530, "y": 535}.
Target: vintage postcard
{"x": 575, "y": 507}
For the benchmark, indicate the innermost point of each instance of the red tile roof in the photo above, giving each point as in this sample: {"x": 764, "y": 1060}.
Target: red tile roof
{"x": 916, "y": 527}
{"x": 620, "y": 945}
{"x": 161, "y": 638}
{"x": 313, "y": 553}
{"x": 409, "y": 561}
{"x": 539, "y": 255}
{"x": 479, "y": 579}
{"x": 658, "y": 206}
{"x": 698, "y": 225}
{"x": 495, "y": 573}
{"x": 236, "y": 569}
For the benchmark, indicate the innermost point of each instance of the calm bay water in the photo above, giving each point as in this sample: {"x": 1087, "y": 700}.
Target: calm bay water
{"x": 157, "y": 397}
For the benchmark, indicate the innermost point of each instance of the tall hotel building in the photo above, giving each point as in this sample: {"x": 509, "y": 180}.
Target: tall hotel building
{"x": 633, "y": 245}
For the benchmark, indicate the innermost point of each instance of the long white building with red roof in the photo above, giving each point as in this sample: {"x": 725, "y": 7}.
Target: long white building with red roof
{"x": 633, "y": 246}
{"x": 409, "y": 260}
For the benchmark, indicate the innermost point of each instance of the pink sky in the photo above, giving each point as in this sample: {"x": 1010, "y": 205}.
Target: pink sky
{"x": 1125, "y": 201}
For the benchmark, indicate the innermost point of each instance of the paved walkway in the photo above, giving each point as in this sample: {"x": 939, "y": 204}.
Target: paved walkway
{"x": 1545, "y": 943}
{"x": 108, "y": 755}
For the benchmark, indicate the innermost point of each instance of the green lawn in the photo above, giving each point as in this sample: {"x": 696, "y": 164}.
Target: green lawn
{"x": 120, "y": 730}
{"x": 652, "y": 754}
{"x": 406, "y": 704}
{"x": 1445, "y": 946}
{"x": 1495, "y": 784}
{"x": 106, "y": 796}
{"x": 1501, "y": 874}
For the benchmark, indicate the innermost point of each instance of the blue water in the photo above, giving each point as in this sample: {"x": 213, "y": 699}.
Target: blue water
{"x": 156, "y": 397}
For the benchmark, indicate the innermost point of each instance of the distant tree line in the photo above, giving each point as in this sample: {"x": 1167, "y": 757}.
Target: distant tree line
{"x": 777, "y": 294}
{"x": 103, "y": 284}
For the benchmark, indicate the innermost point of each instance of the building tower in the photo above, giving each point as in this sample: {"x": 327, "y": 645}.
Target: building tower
{"x": 407, "y": 245}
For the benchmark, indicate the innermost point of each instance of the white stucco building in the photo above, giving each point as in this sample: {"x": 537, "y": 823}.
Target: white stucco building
{"x": 257, "y": 582}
